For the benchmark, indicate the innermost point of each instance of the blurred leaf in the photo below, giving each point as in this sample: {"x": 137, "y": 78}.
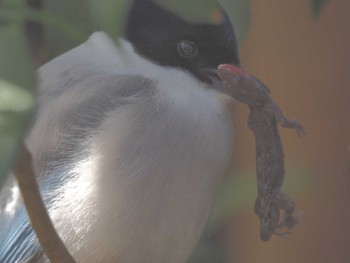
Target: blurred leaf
{"x": 240, "y": 191}
{"x": 17, "y": 82}
{"x": 13, "y": 2}
{"x": 208, "y": 251}
{"x": 74, "y": 13}
{"x": 56, "y": 22}
{"x": 85, "y": 16}
{"x": 15, "y": 15}
{"x": 60, "y": 32}
{"x": 239, "y": 13}
{"x": 317, "y": 6}
{"x": 109, "y": 15}
{"x": 237, "y": 192}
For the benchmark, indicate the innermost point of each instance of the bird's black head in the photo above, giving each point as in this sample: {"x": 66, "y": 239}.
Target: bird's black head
{"x": 167, "y": 39}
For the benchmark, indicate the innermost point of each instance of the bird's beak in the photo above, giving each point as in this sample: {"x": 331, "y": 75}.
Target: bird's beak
{"x": 216, "y": 76}
{"x": 223, "y": 72}
{"x": 229, "y": 76}
{"x": 208, "y": 75}
{"x": 210, "y": 72}
{"x": 228, "y": 71}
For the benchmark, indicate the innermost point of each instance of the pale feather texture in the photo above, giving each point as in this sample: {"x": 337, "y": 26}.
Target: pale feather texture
{"x": 129, "y": 156}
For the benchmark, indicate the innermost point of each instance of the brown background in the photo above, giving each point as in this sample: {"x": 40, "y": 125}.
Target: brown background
{"x": 305, "y": 61}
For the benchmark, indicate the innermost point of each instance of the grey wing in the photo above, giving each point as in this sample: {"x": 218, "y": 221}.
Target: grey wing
{"x": 57, "y": 140}
{"x": 15, "y": 231}
{"x": 20, "y": 243}
{"x": 66, "y": 120}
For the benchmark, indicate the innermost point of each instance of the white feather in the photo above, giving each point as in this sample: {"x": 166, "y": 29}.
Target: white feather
{"x": 143, "y": 181}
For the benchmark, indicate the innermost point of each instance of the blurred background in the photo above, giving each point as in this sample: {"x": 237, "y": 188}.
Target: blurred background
{"x": 304, "y": 59}
{"x": 300, "y": 50}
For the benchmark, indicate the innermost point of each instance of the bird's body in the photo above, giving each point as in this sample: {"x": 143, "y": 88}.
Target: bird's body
{"x": 129, "y": 154}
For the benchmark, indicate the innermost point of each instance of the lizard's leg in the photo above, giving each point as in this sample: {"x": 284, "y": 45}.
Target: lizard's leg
{"x": 283, "y": 121}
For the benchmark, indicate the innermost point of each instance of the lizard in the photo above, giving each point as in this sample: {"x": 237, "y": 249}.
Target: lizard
{"x": 264, "y": 117}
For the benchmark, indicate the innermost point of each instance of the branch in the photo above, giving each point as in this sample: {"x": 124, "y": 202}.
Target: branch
{"x": 39, "y": 218}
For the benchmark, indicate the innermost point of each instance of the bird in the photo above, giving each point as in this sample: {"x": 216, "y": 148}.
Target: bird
{"x": 130, "y": 142}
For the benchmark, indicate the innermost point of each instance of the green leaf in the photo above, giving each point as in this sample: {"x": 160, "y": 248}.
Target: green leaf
{"x": 239, "y": 192}
{"x": 317, "y": 6}
{"x": 109, "y": 15}
{"x": 67, "y": 12}
{"x": 13, "y": 2}
{"x": 17, "y": 82}
{"x": 18, "y": 15}
{"x": 239, "y": 13}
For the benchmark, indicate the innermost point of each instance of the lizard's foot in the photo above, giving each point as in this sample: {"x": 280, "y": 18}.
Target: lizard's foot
{"x": 292, "y": 124}
{"x": 290, "y": 221}
{"x": 269, "y": 211}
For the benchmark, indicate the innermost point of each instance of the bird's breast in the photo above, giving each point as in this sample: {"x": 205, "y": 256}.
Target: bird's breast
{"x": 151, "y": 176}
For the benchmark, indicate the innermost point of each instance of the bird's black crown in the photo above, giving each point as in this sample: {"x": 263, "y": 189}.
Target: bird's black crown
{"x": 167, "y": 39}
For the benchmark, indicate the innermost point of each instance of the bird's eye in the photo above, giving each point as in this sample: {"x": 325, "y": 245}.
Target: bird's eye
{"x": 187, "y": 49}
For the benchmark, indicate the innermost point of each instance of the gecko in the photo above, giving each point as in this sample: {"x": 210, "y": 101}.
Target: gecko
{"x": 274, "y": 208}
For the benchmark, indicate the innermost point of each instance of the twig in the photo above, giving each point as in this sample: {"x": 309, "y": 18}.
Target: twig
{"x": 39, "y": 218}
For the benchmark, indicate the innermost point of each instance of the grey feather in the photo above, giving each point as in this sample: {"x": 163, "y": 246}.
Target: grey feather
{"x": 128, "y": 162}
{"x": 18, "y": 240}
